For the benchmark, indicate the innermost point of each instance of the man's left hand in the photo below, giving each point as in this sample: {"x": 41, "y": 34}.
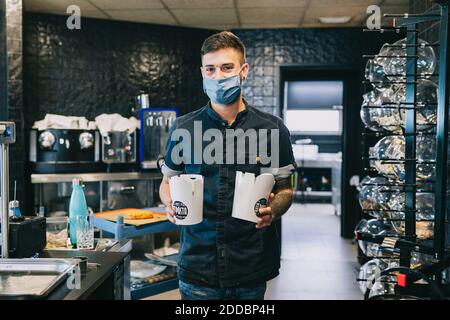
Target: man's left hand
{"x": 265, "y": 213}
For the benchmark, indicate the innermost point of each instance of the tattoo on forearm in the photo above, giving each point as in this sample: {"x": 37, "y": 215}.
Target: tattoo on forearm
{"x": 281, "y": 203}
{"x": 282, "y": 184}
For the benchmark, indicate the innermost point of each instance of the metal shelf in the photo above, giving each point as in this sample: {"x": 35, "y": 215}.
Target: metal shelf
{"x": 124, "y": 231}
{"x": 94, "y": 177}
{"x": 155, "y": 288}
{"x": 438, "y": 247}
{"x": 120, "y": 230}
{"x": 399, "y": 243}
{"x": 315, "y": 194}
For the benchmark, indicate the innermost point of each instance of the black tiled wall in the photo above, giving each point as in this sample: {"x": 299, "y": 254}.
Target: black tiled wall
{"x": 14, "y": 108}
{"x": 99, "y": 68}
{"x": 268, "y": 49}
{"x": 102, "y": 66}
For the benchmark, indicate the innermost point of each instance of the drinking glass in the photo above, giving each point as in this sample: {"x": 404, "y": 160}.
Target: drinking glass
{"x": 85, "y": 231}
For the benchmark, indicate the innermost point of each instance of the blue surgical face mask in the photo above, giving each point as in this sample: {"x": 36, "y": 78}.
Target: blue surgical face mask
{"x": 223, "y": 91}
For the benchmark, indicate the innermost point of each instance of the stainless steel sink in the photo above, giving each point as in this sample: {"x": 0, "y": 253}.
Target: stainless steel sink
{"x": 33, "y": 277}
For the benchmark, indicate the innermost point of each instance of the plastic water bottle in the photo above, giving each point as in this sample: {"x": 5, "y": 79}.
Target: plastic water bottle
{"x": 14, "y": 211}
{"x": 77, "y": 207}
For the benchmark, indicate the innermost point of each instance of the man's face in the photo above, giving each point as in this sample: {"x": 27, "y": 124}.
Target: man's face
{"x": 223, "y": 63}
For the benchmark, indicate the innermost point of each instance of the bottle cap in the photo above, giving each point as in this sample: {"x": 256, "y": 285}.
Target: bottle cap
{"x": 77, "y": 182}
{"x": 14, "y": 204}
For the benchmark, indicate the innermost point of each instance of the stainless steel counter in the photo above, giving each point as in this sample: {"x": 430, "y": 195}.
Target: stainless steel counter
{"x": 106, "y": 275}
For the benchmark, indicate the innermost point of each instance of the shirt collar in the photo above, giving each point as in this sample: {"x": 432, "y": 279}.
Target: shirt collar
{"x": 215, "y": 116}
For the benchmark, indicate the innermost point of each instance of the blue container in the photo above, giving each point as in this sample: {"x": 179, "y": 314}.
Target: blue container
{"x": 77, "y": 207}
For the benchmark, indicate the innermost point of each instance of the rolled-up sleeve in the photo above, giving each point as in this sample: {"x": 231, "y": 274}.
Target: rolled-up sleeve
{"x": 287, "y": 165}
{"x": 170, "y": 167}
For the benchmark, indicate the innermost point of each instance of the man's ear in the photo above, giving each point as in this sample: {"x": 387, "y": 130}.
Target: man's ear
{"x": 245, "y": 71}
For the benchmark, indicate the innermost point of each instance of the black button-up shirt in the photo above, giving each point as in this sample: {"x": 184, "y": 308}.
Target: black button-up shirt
{"x": 223, "y": 251}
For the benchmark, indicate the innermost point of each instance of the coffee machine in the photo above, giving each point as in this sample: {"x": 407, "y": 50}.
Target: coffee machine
{"x": 119, "y": 147}
{"x": 119, "y": 151}
{"x": 155, "y": 125}
{"x": 65, "y": 150}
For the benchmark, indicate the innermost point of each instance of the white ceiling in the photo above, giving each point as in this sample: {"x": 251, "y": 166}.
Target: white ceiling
{"x": 223, "y": 14}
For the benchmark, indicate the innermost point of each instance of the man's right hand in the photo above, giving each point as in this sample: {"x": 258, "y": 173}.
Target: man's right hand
{"x": 164, "y": 194}
{"x": 170, "y": 213}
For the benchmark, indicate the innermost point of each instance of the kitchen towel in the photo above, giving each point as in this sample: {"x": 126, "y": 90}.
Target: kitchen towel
{"x": 55, "y": 121}
{"x": 115, "y": 122}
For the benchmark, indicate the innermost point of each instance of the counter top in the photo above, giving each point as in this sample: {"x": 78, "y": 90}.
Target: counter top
{"x": 93, "y": 278}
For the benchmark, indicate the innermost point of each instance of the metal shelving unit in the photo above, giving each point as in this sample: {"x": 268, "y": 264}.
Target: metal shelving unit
{"x": 439, "y": 246}
{"x": 154, "y": 288}
{"x": 123, "y": 231}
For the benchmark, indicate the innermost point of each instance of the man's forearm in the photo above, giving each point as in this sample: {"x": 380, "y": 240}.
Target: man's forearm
{"x": 281, "y": 203}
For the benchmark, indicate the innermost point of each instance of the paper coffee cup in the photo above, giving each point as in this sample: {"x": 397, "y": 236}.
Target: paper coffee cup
{"x": 186, "y": 191}
{"x": 250, "y": 194}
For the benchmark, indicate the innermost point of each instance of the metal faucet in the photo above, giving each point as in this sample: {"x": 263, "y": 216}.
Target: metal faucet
{"x": 7, "y": 137}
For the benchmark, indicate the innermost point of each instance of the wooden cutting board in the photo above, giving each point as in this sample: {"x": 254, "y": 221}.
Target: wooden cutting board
{"x": 113, "y": 214}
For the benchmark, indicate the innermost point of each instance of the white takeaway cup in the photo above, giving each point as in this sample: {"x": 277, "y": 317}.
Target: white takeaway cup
{"x": 250, "y": 194}
{"x": 186, "y": 191}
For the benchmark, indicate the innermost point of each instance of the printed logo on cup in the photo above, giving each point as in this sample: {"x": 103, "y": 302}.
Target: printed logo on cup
{"x": 260, "y": 204}
{"x": 181, "y": 210}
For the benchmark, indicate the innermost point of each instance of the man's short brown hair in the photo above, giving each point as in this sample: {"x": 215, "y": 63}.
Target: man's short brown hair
{"x": 223, "y": 40}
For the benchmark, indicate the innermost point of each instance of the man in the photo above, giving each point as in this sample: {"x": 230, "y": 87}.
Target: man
{"x": 224, "y": 257}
